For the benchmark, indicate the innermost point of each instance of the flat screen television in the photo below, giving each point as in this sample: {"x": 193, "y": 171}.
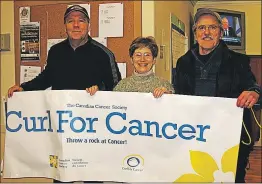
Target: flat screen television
{"x": 234, "y": 28}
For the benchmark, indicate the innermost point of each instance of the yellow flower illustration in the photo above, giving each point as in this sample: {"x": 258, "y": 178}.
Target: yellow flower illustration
{"x": 205, "y": 166}
{"x": 53, "y": 161}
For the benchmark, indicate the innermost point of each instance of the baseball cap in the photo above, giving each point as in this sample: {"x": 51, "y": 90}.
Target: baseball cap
{"x": 76, "y": 8}
{"x": 205, "y": 11}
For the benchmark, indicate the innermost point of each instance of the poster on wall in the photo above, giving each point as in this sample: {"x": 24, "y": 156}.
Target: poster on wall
{"x": 28, "y": 73}
{"x": 30, "y": 41}
{"x": 122, "y": 69}
{"x": 111, "y": 20}
{"x": 51, "y": 42}
{"x": 179, "y": 40}
{"x": 102, "y": 40}
{"x": 24, "y": 14}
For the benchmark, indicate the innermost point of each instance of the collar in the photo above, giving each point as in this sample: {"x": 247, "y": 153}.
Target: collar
{"x": 222, "y": 45}
{"x": 143, "y": 74}
{"x": 85, "y": 41}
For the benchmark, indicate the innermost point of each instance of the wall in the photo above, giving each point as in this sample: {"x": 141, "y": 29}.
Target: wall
{"x": 156, "y": 22}
{"x": 7, "y": 74}
{"x": 148, "y": 18}
{"x": 7, "y": 57}
{"x": 252, "y": 11}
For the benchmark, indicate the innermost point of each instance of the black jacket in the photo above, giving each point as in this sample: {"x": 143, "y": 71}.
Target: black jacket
{"x": 88, "y": 65}
{"x": 233, "y": 78}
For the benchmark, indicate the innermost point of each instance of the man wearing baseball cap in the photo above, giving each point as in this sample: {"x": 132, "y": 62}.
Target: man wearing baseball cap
{"x": 210, "y": 68}
{"x": 78, "y": 62}
{"x": 76, "y": 8}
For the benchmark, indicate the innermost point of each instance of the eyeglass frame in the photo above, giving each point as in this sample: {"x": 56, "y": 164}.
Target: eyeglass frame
{"x": 147, "y": 57}
{"x": 209, "y": 27}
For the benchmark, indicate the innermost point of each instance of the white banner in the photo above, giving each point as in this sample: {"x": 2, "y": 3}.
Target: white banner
{"x": 124, "y": 137}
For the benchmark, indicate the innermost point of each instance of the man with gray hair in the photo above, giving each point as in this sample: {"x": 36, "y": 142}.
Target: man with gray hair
{"x": 210, "y": 68}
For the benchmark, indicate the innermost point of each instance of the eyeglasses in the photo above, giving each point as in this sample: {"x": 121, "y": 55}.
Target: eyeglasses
{"x": 139, "y": 55}
{"x": 211, "y": 28}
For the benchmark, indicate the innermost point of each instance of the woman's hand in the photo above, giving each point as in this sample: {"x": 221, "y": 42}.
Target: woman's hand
{"x": 158, "y": 92}
{"x": 92, "y": 90}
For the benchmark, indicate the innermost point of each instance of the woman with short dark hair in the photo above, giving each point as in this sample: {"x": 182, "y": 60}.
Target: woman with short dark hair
{"x": 143, "y": 53}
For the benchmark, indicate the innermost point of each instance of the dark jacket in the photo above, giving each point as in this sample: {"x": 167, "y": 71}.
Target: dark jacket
{"x": 88, "y": 65}
{"x": 233, "y": 78}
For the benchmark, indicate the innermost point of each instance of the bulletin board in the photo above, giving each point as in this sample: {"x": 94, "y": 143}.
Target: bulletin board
{"x": 50, "y": 14}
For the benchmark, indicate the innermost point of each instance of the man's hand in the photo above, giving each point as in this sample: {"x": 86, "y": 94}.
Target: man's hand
{"x": 247, "y": 99}
{"x": 158, "y": 92}
{"x": 92, "y": 90}
{"x": 13, "y": 89}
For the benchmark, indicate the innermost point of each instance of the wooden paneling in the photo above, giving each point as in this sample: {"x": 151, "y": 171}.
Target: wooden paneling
{"x": 254, "y": 171}
{"x": 256, "y": 67}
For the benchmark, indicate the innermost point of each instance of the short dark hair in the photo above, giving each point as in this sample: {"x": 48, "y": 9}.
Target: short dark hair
{"x": 141, "y": 42}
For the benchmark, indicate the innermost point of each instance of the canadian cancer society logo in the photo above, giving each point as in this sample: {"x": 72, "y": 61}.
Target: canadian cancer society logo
{"x": 133, "y": 162}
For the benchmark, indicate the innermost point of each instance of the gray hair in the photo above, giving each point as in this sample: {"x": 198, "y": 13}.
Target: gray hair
{"x": 205, "y": 11}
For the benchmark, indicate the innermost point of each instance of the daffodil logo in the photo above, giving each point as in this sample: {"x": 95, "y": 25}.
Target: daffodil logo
{"x": 53, "y": 161}
{"x": 207, "y": 170}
